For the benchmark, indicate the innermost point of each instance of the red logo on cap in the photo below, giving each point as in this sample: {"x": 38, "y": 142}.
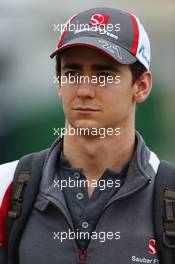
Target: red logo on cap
{"x": 99, "y": 19}
{"x": 153, "y": 247}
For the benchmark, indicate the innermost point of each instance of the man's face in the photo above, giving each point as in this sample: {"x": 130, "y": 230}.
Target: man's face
{"x": 113, "y": 104}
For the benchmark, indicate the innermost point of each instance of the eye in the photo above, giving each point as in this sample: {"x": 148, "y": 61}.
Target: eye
{"x": 71, "y": 73}
{"x": 105, "y": 75}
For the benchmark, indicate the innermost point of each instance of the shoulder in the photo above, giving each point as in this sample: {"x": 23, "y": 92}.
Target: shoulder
{"x": 7, "y": 172}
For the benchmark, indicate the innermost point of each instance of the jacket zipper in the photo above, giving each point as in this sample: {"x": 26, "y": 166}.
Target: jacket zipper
{"x": 82, "y": 253}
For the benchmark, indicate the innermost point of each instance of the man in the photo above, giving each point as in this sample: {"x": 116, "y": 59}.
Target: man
{"x": 94, "y": 203}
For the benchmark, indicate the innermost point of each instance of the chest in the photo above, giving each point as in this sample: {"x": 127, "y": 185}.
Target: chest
{"x": 124, "y": 234}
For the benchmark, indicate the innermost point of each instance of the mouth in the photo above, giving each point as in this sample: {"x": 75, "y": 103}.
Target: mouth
{"x": 85, "y": 109}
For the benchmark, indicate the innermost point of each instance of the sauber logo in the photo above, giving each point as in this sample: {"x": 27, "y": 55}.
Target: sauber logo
{"x": 99, "y": 19}
{"x": 153, "y": 250}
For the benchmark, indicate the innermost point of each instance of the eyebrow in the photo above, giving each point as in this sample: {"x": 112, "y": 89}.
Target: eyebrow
{"x": 101, "y": 67}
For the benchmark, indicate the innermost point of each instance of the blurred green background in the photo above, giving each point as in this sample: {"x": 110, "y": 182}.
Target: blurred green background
{"x": 29, "y": 105}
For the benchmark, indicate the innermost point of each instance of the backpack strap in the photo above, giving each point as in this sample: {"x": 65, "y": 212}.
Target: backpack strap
{"x": 25, "y": 188}
{"x": 164, "y": 211}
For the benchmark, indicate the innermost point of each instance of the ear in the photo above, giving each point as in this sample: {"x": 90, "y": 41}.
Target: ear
{"x": 142, "y": 87}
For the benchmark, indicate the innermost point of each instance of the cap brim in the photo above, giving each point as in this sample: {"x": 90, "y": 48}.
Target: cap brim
{"x": 116, "y": 52}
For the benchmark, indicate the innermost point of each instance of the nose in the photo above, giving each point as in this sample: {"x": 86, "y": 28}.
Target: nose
{"x": 85, "y": 90}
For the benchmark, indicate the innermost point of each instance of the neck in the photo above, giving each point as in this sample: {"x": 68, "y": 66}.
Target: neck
{"x": 95, "y": 154}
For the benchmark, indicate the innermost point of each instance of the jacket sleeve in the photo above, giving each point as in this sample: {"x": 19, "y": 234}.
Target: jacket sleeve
{"x": 7, "y": 171}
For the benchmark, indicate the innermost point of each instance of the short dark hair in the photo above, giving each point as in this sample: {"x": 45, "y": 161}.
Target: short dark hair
{"x": 137, "y": 69}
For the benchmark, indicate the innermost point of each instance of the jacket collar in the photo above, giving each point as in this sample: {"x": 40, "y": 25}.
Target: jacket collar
{"x": 141, "y": 172}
